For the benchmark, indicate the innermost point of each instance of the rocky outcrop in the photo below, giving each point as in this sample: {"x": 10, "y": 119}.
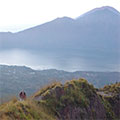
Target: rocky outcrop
{"x": 78, "y": 100}
{"x": 75, "y": 100}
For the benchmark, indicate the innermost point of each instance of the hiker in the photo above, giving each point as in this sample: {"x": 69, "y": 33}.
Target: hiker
{"x": 22, "y": 95}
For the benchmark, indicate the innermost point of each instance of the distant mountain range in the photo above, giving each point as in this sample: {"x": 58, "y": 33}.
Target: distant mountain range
{"x": 13, "y": 79}
{"x": 89, "y": 42}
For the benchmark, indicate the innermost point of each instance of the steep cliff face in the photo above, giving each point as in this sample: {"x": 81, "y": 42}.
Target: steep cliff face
{"x": 78, "y": 100}
{"x": 75, "y": 100}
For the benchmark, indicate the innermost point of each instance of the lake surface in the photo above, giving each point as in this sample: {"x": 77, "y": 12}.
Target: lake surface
{"x": 63, "y": 61}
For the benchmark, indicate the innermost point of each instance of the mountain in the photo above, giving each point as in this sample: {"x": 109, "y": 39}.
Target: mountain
{"x": 13, "y": 79}
{"x": 74, "y": 100}
{"x": 90, "y": 42}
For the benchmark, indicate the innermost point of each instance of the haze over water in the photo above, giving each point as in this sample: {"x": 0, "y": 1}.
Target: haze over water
{"x": 46, "y": 60}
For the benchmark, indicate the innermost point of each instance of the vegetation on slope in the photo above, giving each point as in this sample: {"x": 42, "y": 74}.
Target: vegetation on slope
{"x": 113, "y": 88}
{"x": 58, "y": 95}
{"x": 24, "y": 110}
{"x": 75, "y": 100}
{"x": 111, "y": 99}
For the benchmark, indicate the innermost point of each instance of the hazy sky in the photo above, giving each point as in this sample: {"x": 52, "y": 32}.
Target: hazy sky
{"x": 16, "y": 15}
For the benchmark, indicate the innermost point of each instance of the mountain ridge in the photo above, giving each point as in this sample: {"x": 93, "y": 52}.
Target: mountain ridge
{"x": 69, "y": 18}
{"x": 73, "y": 100}
{"x": 107, "y": 8}
{"x": 79, "y": 43}
{"x": 16, "y": 78}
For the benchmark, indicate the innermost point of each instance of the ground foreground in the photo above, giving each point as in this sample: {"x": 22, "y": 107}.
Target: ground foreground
{"x": 75, "y": 100}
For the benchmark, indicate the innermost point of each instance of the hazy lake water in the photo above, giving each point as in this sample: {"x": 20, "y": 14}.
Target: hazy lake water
{"x": 53, "y": 60}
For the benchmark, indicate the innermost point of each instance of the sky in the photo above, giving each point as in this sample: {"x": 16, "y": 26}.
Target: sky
{"x": 16, "y": 15}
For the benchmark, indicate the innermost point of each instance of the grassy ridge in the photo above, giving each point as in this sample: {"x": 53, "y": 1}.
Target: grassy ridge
{"x": 76, "y": 99}
{"x": 24, "y": 110}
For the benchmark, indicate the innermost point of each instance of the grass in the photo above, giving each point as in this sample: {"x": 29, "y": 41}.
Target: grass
{"x": 74, "y": 92}
{"x": 24, "y": 110}
{"x": 54, "y": 98}
{"x": 113, "y": 88}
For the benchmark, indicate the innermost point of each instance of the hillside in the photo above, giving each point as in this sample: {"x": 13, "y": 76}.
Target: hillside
{"x": 74, "y": 100}
{"x": 13, "y": 79}
{"x": 88, "y": 43}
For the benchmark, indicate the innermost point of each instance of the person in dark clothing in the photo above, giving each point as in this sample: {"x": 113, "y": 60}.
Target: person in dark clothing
{"x": 22, "y": 95}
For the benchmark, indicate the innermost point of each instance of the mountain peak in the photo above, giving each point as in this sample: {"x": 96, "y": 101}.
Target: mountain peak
{"x": 102, "y": 9}
{"x": 108, "y": 8}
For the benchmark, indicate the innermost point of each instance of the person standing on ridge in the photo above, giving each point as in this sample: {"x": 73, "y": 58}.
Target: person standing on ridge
{"x": 22, "y": 95}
